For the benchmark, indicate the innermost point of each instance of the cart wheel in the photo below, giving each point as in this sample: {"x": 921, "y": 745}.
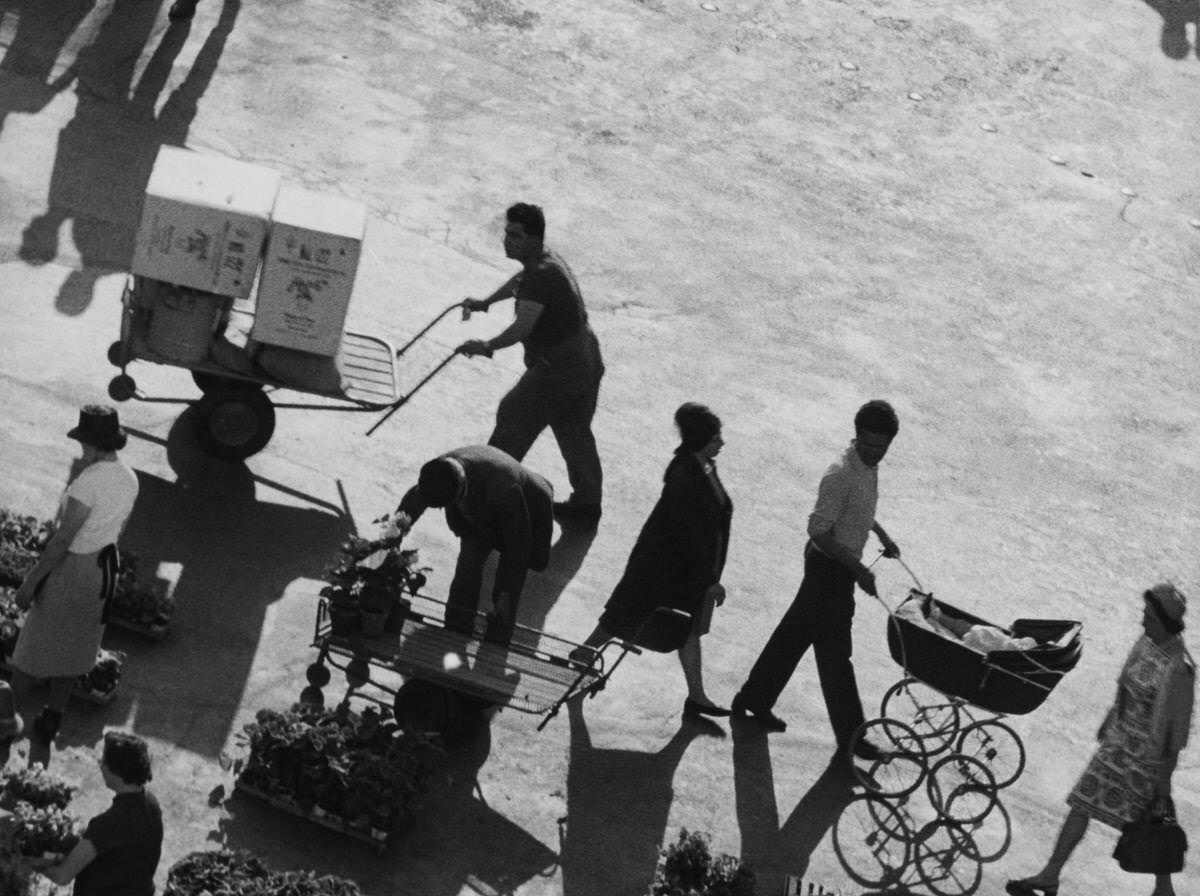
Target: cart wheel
{"x": 897, "y": 774}
{"x": 116, "y": 354}
{"x": 961, "y": 789}
{"x": 997, "y": 746}
{"x": 873, "y": 840}
{"x": 234, "y": 423}
{"x": 947, "y": 859}
{"x": 121, "y": 387}
{"x": 424, "y": 706}
{"x": 358, "y": 673}
{"x": 318, "y": 675}
{"x": 929, "y": 712}
{"x": 211, "y": 382}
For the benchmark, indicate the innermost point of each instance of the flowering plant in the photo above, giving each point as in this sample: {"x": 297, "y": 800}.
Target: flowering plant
{"x": 36, "y": 831}
{"x": 229, "y": 873}
{"x": 37, "y": 787}
{"x": 133, "y": 602}
{"x": 688, "y": 868}
{"x": 105, "y": 675}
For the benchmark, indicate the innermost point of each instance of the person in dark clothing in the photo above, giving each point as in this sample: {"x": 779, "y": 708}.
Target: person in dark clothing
{"x": 563, "y": 367}
{"x": 492, "y": 503}
{"x": 822, "y": 613}
{"x": 679, "y": 555}
{"x": 120, "y": 848}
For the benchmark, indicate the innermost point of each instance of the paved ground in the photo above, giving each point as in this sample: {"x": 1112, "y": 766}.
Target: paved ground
{"x": 983, "y": 212}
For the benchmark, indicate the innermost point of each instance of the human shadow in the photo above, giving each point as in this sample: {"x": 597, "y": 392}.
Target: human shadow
{"x": 236, "y": 553}
{"x": 106, "y": 152}
{"x": 543, "y": 590}
{"x": 30, "y": 72}
{"x": 458, "y": 841}
{"x": 1175, "y": 15}
{"x": 772, "y": 849}
{"x": 618, "y": 802}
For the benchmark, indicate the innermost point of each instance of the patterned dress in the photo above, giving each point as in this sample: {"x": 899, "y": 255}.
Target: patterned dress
{"x": 1119, "y": 782}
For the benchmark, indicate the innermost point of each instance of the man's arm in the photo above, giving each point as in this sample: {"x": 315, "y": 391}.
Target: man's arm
{"x": 73, "y": 518}
{"x": 516, "y": 544}
{"x": 831, "y": 548}
{"x": 506, "y": 290}
{"x": 523, "y": 323}
{"x": 891, "y": 550}
{"x": 411, "y": 506}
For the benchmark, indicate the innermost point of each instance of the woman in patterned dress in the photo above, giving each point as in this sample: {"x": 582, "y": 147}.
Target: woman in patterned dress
{"x": 1140, "y": 740}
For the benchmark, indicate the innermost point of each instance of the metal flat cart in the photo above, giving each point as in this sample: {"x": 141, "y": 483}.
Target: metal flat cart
{"x": 447, "y": 674}
{"x": 235, "y": 416}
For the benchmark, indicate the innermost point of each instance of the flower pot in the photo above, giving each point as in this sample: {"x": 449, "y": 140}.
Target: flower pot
{"x": 398, "y": 613}
{"x": 343, "y": 620}
{"x": 374, "y": 622}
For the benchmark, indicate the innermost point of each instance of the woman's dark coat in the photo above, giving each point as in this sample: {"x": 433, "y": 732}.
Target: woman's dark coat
{"x": 679, "y": 553}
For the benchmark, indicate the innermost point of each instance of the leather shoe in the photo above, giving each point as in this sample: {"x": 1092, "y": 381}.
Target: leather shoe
{"x": 760, "y": 716}
{"x": 1027, "y": 887}
{"x": 694, "y": 710}
{"x": 864, "y": 749}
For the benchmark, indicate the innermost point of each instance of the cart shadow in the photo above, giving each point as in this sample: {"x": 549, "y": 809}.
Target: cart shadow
{"x": 618, "y": 803}
{"x": 457, "y": 841}
{"x": 106, "y": 152}
{"x": 771, "y": 849}
{"x": 236, "y": 554}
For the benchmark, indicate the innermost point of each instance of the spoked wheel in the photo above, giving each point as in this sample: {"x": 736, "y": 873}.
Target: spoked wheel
{"x": 961, "y": 789}
{"x": 934, "y": 716}
{"x": 901, "y": 771}
{"x": 947, "y": 859}
{"x": 234, "y": 423}
{"x": 997, "y": 746}
{"x": 873, "y": 841}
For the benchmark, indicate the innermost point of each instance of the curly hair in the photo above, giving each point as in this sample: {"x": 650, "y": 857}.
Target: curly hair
{"x": 127, "y": 756}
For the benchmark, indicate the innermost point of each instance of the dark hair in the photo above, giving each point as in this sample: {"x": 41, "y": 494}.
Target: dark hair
{"x": 879, "y": 417}
{"x": 439, "y": 482}
{"x": 529, "y": 217}
{"x": 1172, "y": 626}
{"x": 127, "y": 756}
{"x": 697, "y": 425}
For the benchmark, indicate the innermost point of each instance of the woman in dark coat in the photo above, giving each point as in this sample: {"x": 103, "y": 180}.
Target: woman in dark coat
{"x": 679, "y": 555}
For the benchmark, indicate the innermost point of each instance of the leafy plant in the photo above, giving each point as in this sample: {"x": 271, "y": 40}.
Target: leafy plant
{"x": 688, "y": 868}
{"x": 226, "y": 873}
{"x": 39, "y": 830}
{"x": 38, "y": 787}
{"x": 10, "y": 622}
{"x": 380, "y": 562}
{"x": 150, "y": 605}
{"x": 106, "y": 674}
{"x": 22, "y": 539}
{"x": 358, "y": 766}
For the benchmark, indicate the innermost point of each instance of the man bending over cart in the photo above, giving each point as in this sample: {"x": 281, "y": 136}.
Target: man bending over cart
{"x": 492, "y": 503}
{"x": 822, "y": 613}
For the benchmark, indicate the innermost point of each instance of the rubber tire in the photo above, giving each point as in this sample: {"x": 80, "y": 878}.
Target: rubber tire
{"x": 318, "y": 675}
{"x": 211, "y": 382}
{"x": 116, "y": 354}
{"x": 121, "y": 387}
{"x": 425, "y": 706}
{"x": 234, "y": 424}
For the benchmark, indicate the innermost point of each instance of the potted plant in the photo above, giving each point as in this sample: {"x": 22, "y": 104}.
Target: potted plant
{"x": 379, "y": 563}
{"x": 36, "y": 786}
{"x": 46, "y": 832}
{"x": 688, "y": 868}
{"x": 242, "y": 874}
{"x": 10, "y": 622}
{"x": 375, "y": 605}
{"x": 22, "y": 539}
{"x": 137, "y": 606}
{"x": 101, "y": 682}
{"x": 344, "y": 615}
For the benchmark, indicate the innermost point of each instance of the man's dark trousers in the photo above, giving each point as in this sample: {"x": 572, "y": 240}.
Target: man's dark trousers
{"x": 821, "y": 616}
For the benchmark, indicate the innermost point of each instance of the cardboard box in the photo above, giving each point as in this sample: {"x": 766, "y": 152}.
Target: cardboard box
{"x": 308, "y": 272}
{"x": 204, "y": 222}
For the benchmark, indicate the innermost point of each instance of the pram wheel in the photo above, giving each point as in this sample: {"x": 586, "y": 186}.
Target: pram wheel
{"x": 997, "y": 746}
{"x": 930, "y": 713}
{"x": 961, "y": 789}
{"x": 894, "y": 775}
{"x": 873, "y": 841}
{"x": 947, "y": 859}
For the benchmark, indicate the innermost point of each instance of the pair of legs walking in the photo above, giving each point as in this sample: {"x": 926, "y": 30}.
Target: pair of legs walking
{"x": 563, "y": 399}
{"x": 820, "y": 617}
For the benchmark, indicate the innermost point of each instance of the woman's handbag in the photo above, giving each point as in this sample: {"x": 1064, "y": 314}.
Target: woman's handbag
{"x": 1152, "y": 845}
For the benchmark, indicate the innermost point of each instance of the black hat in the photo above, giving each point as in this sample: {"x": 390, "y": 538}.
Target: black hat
{"x": 99, "y": 427}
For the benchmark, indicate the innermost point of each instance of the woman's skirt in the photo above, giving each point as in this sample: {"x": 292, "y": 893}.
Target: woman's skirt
{"x": 62, "y": 630}
{"x": 1118, "y": 783}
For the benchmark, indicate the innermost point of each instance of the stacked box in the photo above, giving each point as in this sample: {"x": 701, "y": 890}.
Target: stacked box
{"x": 308, "y": 272}
{"x": 204, "y": 222}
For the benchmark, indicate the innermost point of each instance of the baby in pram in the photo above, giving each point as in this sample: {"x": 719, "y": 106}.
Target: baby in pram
{"x": 983, "y": 638}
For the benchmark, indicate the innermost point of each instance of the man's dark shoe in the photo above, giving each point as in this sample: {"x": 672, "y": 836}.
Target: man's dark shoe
{"x": 864, "y": 749}
{"x": 182, "y": 10}
{"x": 46, "y": 725}
{"x": 572, "y": 512}
{"x": 764, "y": 717}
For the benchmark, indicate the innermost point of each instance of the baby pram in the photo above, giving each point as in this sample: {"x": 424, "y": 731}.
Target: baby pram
{"x": 931, "y": 710}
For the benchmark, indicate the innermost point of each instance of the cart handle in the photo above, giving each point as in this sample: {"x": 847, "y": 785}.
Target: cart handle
{"x": 403, "y": 399}
{"x": 429, "y": 326}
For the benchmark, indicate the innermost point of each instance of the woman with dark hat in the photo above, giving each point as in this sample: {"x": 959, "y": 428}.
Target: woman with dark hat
{"x": 1140, "y": 740}
{"x": 679, "y": 555}
{"x": 68, "y": 591}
